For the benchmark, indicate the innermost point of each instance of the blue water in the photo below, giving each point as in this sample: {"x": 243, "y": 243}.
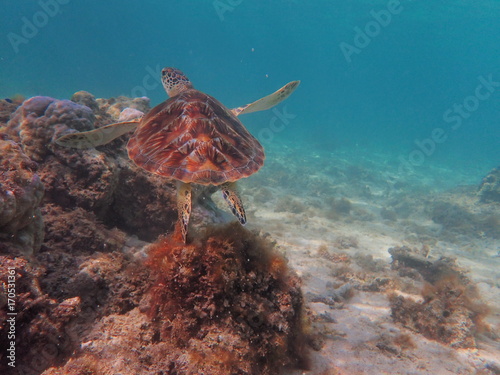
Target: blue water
{"x": 387, "y": 97}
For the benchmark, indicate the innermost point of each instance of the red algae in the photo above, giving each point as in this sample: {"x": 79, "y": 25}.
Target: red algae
{"x": 230, "y": 301}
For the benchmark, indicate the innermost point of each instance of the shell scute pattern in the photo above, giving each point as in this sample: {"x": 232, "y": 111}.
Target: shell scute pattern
{"x": 192, "y": 137}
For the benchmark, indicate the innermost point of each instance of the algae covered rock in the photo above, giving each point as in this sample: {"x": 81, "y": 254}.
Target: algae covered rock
{"x": 229, "y": 295}
{"x": 6, "y": 109}
{"x": 489, "y": 190}
{"x": 21, "y": 191}
{"x": 449, "y": 310}
{"x": 226, "y": 304}
{"x": 85, "y": 98}
{"x": 43, "y": 331}
{"x": 86, "y": 179}
{"x": 143, "y": 204}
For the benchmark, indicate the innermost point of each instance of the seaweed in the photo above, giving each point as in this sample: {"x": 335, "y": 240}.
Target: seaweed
{"x": 451, "y": 311}
{"x": 229, "y": 300}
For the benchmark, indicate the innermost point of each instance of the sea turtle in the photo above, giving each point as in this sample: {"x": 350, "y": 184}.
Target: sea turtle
{"x": 192, "y": 138}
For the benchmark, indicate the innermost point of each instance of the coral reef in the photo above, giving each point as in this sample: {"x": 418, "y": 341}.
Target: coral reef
{"x": 452, "y": 217}
{"x": 78, "y": 231}
{"x": 129, "y": 114}
{"x": 226, "y": 304}
{"x": 143, "y": 204}
{"x": 6, "y": 109}
{"x": 42, "y": 119}
{"x": 82, "y": 272}
{"x": 115, "y": 106}
{"x": 85, "y": 98}
{"x": 86, "y": 179}
{"x": 72, "y": 285}
{"x": 450, "y": 310}
{"x": 105, "y": 183}
{"x": 111, "y": 110}
{"x": 43, "y": 326}
{"x": 230, "y": 305}
{"x": 21, "y": 191}
{"x": 489, "y": 189}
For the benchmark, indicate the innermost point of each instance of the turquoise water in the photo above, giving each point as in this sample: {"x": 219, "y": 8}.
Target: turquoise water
{"x": 397, "y": 78}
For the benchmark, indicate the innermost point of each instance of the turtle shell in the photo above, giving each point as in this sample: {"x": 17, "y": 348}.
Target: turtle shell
{"x": 192, "y": 137}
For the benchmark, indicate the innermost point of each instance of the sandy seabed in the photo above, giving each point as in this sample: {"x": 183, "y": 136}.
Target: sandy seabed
{"x": 336, "y": 226}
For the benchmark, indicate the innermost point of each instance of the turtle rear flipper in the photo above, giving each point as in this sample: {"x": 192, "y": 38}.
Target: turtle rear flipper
{"x": 97, "y": 137}
{"x": 232, "y": 198}
{"x": 268, "y": 101}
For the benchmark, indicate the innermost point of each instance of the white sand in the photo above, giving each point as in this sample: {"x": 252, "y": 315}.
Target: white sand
{"x": 354, "y": 343}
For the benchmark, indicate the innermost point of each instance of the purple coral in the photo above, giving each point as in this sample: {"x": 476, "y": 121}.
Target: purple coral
{"x": 41, "y": 119}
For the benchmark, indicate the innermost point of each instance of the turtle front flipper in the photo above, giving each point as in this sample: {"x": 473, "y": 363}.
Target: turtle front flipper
{"x": 183, "y": 207}
{"x": 97, "y": 137}
{"x": 268, "y": 101}
{"x": 232, "y": 198}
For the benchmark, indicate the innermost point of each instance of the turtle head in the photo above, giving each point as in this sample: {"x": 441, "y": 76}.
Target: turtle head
{"x": 174, "y": 81}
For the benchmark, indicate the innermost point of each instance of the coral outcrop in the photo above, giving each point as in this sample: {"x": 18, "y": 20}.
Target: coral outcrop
{"x": 115, "y": 106}
{"x": 111, "y": 110}
{"x": 226, "y": 304}
{"x": 105, "y": 183}
{"x": 230, "y": 302}
{"x": 450, "y": 310}
{"x": 41, "y": 119}
{"x": 6, "y": 109}
{"x": 489, "y": 189}
{"x": 21, "y": 191}
{"x": 43, "y": 327}
{"x": 86, "y": 179}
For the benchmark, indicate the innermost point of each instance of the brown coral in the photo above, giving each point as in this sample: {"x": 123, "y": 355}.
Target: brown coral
{"x": 86, "y": 179}
{"x": 42, "y": 325}
{"x": 143, "y": 204}
{"x": 450, "y": 313}
{"x": 78, "y": 232}
{"x": 6, "y": 109}
{"x": 227, "y": 304}
{"x": 21, "y": 225}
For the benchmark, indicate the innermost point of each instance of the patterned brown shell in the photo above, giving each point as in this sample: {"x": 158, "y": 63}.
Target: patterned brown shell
{"x": 192, "y": 137}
